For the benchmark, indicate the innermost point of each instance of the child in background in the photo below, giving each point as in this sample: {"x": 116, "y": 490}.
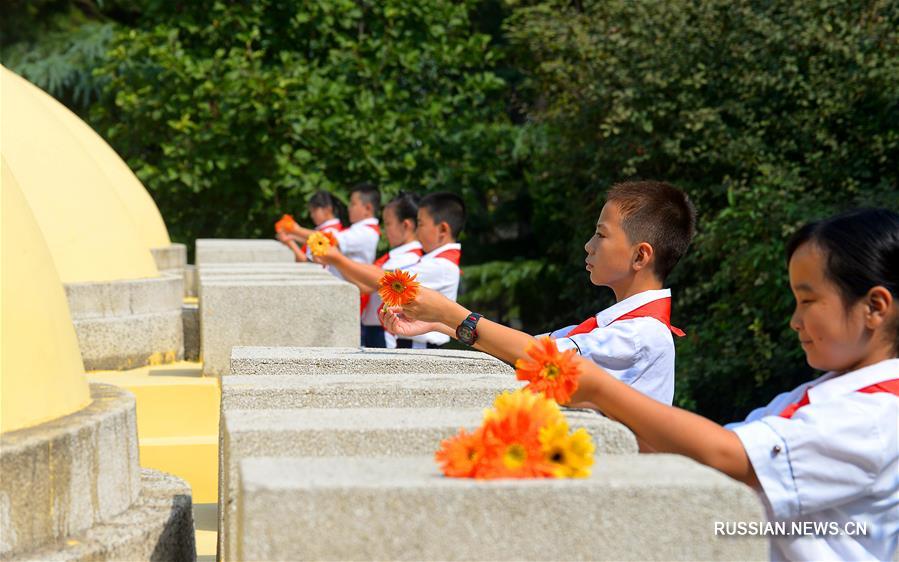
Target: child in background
{"x": 400, "y": 222}
{"x": 643, "y": 230}
{"x": 441, "y": 218}
{"x": 325, "y": 211}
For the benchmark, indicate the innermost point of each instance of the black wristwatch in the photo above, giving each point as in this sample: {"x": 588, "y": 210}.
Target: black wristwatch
{"x": 467, "y": 332}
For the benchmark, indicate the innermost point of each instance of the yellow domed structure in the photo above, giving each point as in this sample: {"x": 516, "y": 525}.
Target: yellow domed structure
{"x": 41, "y": 373}
{"x": 128, "y": 188}
{"x": 74, "y": 184}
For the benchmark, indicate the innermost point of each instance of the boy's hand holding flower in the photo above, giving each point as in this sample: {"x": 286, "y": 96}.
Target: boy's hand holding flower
{"x": 431, "y": 306}
{"x": 398, "y": 324}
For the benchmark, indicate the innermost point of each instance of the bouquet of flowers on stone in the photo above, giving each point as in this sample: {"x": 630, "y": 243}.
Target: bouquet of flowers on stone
{"x": 525, "y": 434}
{"x": 320, "y": 242}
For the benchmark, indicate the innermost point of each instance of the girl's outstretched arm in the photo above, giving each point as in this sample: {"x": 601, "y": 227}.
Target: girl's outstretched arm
{"x": 663, "y": 428}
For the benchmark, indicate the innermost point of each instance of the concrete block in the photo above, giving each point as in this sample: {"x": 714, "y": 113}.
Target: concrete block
{"x": 190, "y": 319}
{"x": 361, "y": 432}
{"x": 333, "y": 360}
{"x": 129, "y": 323}
{"x": 640, "y": 507}
{"x": 402, "y": 390}
{"x": 158, "y": 526}
{"x": 222, "y": 250}
{"x": 310, "y": 312}
{"x": 68, "y": 474}
{"x": 191, "y": 280}
{"x": 170, "y": 258}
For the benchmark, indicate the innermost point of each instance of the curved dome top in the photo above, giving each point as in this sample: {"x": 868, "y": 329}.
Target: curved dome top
{"x": 90, "y": 231}
{"x": 41, "y": 373}
{"x": 140, "y": 206}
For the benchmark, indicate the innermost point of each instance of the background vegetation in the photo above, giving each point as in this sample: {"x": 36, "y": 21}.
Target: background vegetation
{"x": 767, "y": 113}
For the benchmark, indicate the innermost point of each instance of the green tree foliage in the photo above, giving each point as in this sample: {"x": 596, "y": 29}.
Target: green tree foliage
{"x": 767, "y": 113}
{"x": 234, "y": 113}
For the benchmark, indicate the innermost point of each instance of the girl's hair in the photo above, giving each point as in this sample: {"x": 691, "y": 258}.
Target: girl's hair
{"x": 322, "y": 199}
{"x": 861, "y": 249}
{"x": 405, "y": 206}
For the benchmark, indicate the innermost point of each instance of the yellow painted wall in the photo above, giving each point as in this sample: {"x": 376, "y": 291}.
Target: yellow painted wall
{"x": 41, "y": 373}
{"x": 87, "y": 227}
{"x": 140, "y": 206}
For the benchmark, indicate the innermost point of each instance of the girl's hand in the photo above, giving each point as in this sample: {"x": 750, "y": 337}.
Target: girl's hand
{"x": 428, "y": 306}
{"x": 398, "y": 324}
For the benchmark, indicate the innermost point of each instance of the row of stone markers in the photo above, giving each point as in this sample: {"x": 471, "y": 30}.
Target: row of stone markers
{"x": 327, "y": 453}
{"x": 251, "y": 293}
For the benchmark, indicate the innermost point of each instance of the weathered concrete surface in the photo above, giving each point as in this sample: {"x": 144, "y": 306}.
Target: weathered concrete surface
{"x": 225, "y": 250}
{"x": 310, "y": 312}
{"x": 333, "y": 360}
{"x": 404, "y": 390}
{"x": 170, "y": 258}
{"x": 127, "y": 324}
{"x": 190, "y": 318}
{"x": 158, "y": 526}
{"x": 68, "y": 474}
{"x": 191, "y": 280}
{"x": 360, "y": 432}
{"x": 639, "y": 507}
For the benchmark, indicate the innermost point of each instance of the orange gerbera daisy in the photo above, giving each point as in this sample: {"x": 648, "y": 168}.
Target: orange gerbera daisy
{"x": 460, "y": 455}
{"x": 285, "y": 224}
{"x": 548, "y": 370}
{"x": 512, "y": 436}
{"x": 398, "y": 287}
{"x": 320, "y": 242}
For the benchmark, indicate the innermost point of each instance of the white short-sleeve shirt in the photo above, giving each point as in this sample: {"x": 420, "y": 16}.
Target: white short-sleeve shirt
{"x": 836, "y": 460}
{"x": 637, "y": 351}
{"x": 359, "y": 242}
{"x": 442, "y": 275}
{"x": 401, "y": 257}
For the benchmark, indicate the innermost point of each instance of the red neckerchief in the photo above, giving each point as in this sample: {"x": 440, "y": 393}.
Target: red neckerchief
{"x": 660, "y": 309}
{"x": 889, "y": 386}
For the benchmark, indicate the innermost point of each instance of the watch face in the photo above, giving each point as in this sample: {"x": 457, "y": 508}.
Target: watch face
{"x": 465, "y": 333}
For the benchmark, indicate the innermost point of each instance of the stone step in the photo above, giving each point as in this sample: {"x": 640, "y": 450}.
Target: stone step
{"x": 305, "y": 311}
{"x": 129, "y": 323}
{"x": 352, "y": 390}
{"x": 68, "y": 474}
{"x": 191, "y": 457}
{"x": 360, "y": 432}
{"x": 177, "y": 421}
{"x": 260, "y": 360}
{"x": 639, "y": 507}
{"x": 157, "y": 526}
{"x": 226, "y": 250}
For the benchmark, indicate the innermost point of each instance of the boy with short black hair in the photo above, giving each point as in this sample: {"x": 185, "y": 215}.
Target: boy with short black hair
{"x": 441, "y": 218}
{"x": 642, "y": 232}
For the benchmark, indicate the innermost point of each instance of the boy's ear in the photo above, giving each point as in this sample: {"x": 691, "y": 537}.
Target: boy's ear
{"x": 444, "y": 228}
{"x": 643, "y": 255}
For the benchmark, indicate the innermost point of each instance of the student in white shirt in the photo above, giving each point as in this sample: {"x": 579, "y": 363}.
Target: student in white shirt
{"x": 827, "y": 451}
{"x": 400, "y": 222}
{"x": 359, "y": 242}
{"x": 325, "y": 211}
{"x": 441, "y": 218}
{"x": 643, "y": 230}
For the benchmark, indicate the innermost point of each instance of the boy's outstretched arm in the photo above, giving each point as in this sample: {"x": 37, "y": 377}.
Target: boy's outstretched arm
{"x": 363, "y": 275}
{"x": 500, "y": 341}
{"x": 663, "y": 428}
